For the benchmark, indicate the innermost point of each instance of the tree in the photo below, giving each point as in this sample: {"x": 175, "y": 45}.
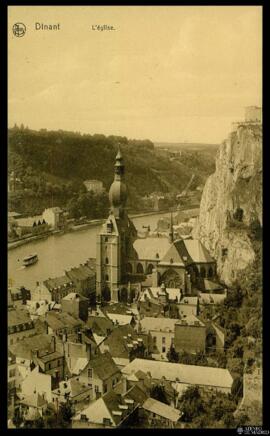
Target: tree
{"x": 65, "y": 414}
{"x": 191, "y": 404}
{"x": 228, "y": 420}
{"x": 172, "y": 355}
{"x": 158, "y": 393}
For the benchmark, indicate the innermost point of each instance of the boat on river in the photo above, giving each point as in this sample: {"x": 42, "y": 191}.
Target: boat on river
{"x": 30, "y": 260}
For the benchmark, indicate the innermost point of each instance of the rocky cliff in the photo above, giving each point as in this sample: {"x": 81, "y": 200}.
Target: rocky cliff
{"x": 231, "y": 203}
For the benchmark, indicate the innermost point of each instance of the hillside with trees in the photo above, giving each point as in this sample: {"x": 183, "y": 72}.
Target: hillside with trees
{"x": 50, "y": 167}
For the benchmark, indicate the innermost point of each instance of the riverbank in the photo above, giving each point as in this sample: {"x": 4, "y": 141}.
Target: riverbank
{"x": 27, "y": 240}
{"x": 87, "y": 225}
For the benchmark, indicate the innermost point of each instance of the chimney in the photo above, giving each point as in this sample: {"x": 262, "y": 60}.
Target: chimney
{"x": 80, "y": 336}
{"x": 53, "y": 343}
{"x": 188, "y": 284}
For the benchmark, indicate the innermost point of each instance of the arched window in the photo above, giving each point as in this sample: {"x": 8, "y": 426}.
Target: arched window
{"x": 203, "y": 272}
{"x": 129, "y": 268}
{"x": 106, "y": 294}
{"x": 140, "y": 268}
{"x": 124, "y": 295}
{"x": 106, "y": 261}
{"x": 150, "y": 268}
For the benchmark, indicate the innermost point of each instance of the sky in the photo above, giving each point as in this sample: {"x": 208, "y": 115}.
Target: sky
{"x": 166, "y": 73}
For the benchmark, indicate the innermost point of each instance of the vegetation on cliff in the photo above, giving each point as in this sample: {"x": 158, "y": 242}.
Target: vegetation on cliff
{"x": 51, "y": 166}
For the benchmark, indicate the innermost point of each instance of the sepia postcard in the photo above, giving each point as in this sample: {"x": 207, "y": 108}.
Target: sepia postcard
{"x": 135, "y": 218}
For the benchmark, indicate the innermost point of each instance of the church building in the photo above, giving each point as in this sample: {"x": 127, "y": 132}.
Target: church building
{"x": 123, "y": 259}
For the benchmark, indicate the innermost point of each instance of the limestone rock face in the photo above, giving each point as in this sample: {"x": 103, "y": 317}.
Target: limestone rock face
{"x": 232, "y": 200}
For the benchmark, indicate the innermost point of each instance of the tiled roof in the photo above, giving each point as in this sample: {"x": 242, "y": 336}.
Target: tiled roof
{"x": 82, "y": 272}
{"x": 99, "y": 325}
{"x": 50, "y": 356}
{"x": 177, "y": 254}
{"x": 29, "y": 221}
{"x": 25, "y": 347}
{"x": 197, "y": 251}
{"x": 190, "y": 320}
{"x": 56, "y": 282}
{"x": 17, "y": 317}
{"x": 148, "y": 248}
{"x": 113, "y": 406}
{"x": 158, "y": 324}
{"x": 119, "y": 338}
{"x": 78, "y": 366}
{"x": 205, "y": 298}
{"x": 74, "y": 296}
{"x": 188, "y": 300}
{"x": 190, "y": 374}
{"x": 118, "y": 308}
{"x": 72, "y": 387}
{"x": 161, "y": 409}
{"x": 103, "y": 366}
{"x": 120, "y": 319}
{"x": 62, "y": 320}
{"x": 153, "y": 292}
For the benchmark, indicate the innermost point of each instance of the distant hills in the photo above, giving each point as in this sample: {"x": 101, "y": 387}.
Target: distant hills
{"x": 186, "y": 146}
{"x": 52, "y": 165}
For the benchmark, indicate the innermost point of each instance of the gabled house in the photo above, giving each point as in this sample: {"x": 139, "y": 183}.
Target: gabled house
{"x": 125, "y": 343}
{"x": 110, "y": 411}
{"x": 78, "y": 394}
{"x": 101, "y": 374}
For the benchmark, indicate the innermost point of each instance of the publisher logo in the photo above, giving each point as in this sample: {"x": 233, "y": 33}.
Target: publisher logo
{"x": 19, "y": 29}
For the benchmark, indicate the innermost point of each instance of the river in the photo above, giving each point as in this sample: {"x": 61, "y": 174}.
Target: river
{"x": 58, "y": 253}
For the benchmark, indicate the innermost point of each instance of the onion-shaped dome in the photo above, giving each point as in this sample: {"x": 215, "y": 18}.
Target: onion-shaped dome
{"x": 118, "y": 193}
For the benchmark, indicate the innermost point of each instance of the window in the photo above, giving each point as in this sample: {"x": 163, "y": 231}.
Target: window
{"x": 58, "y": 362}
{"x": 96, "y": 388}
{"x": 107, "y": 277}
{"x": 90, "y": 373}
{"x": 49, "y": 366}
{"x": 90, "y": 385}
{"x": 154, "y": 339}
{"x": 84, "y": 418}
{"x": 105, "y": 388}
{"x": 106, "y": 238}
{"x": 163, "y": 349}
{"x": 163, "y": 340}
{"x": 106, "y": 261}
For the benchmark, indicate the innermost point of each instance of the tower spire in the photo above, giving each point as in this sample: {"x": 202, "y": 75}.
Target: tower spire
{"x": 118, "y": 190}
{"x": 171, "y": 234}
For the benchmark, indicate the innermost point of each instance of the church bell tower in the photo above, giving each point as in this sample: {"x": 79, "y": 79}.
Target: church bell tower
{"x": 115, "y": 241}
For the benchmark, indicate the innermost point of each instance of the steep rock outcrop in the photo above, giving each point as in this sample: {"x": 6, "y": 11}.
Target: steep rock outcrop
{"x": 232, "y": 202}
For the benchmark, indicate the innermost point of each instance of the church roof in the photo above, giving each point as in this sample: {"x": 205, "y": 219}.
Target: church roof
{"x": 177, "y": 254}
{"x": 151, "y": 248}
{"x": 197, "y": 251}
